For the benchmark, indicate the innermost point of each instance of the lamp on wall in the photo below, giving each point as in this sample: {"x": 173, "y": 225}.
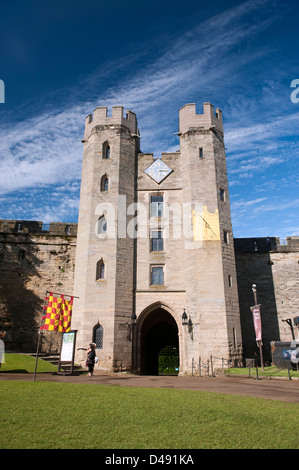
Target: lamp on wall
{"x": 188, "y": 324}
{"x": 289, "y": 322}
{"x": 133, "y": 319}
{"x": 129, "y": 326}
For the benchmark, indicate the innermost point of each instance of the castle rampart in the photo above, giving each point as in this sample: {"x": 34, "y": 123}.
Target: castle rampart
{"x": 37, "y": 227}
{"x": 34, "y": 258}
{"x": 100, "y": 118}
{"x": 266, "y": 244}
{"x": 271, "y": 264}
{"x": 188, "y": 119}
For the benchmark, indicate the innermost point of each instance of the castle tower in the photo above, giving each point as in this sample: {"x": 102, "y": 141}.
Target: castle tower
{"x": 210, "y": 273}
{"x": 104, "y": 273}
{"x": 155, "y": 240}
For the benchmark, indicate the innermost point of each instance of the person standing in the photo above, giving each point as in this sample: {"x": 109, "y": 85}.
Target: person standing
{"x": 90, "y": 360}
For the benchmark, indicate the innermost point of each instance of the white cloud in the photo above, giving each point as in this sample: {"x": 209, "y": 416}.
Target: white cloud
{"x": 261, "y": 134}
{"x": 40, "y": 151}
{"x": 44, "y": 154}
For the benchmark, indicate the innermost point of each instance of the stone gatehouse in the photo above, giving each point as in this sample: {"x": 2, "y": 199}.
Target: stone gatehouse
{"x": 153, "y": 260}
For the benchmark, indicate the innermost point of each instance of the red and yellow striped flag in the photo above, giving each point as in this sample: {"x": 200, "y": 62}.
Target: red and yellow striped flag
{"x": 58, "y": 314}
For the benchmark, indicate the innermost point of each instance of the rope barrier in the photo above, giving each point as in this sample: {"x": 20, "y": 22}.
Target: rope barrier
{"x": 209, "y": 367}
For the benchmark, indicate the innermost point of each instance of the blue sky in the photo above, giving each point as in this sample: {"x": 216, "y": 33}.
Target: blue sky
{"x": 59, "y": 60}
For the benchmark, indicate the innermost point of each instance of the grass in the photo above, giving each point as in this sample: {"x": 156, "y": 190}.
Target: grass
{"x": 41, "y": 415}
{"x": 46, "y": 415}
{"x": 267, "y": 372}
{"x": 23, "y": 363}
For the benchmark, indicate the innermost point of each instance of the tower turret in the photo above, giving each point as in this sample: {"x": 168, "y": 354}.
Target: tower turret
{"x": 104, "y": 274}
{"x": 210, "y": 268}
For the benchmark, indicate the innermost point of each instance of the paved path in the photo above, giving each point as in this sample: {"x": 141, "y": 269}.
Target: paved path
{"x": 275, "y": 389}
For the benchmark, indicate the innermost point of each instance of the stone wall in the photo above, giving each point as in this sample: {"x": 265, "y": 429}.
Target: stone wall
{"x": 274, "y": 268}
{"x": 34, "y": 258}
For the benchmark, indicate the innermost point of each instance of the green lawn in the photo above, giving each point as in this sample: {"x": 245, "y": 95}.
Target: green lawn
{"x": 267, "y": 372}
{"x": 23, "y": 363}
{"x": 44, "y": 415}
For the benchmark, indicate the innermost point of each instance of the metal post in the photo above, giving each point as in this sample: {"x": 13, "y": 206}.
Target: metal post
{"x": 261, "y": 354}
{"x": 38, "y": 341}
{"x": 212, "y": 372}
{"x": 36, "y": 359}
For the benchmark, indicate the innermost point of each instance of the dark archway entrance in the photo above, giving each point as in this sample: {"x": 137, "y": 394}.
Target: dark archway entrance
{"x": 159, "y": 343}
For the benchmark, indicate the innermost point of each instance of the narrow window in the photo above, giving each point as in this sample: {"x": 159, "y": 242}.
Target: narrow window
{"x": 234, "y": 338}
{"x": 157, "y": 241}
{"x": 225, "y": 237}
{"x": 102, "y": 225}
{"x": 22, "y": 254}
{"x": 104, "y": 183}
{"x": 98, "y": 335}
{"x": 157, "y": 276}
{"x": 230, "y": 280}
{"x": 222, "y": 194}
{"x": 100, "y": 271}
{"x": 106, "y": 150}
{"x": 156, "y": 206}
{"x": 200, "y": 152}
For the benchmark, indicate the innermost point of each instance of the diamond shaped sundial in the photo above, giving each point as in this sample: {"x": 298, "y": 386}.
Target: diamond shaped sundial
{"x": 158, "y": 170}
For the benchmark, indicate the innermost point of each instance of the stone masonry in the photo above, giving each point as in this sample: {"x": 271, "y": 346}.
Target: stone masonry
{"x": 274, "y": 268}
{"x": 34, "y": 258}
{"x": 195, "y": 270}
{"x": 152, "y": 261}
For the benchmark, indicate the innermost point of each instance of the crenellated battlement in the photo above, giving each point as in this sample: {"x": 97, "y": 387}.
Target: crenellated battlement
{"x": 38, "y": 227}
{"x": 100, "y": 118}
{"x": 266, "y": 244}
{"x": 188, "y": 119}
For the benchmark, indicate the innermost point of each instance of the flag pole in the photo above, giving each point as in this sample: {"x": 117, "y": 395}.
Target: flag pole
{"x": 259, "y": 343}
{"x": 39, "y": 331}
{"x": 65, "y": 295}
{"x": 38, "y": 341}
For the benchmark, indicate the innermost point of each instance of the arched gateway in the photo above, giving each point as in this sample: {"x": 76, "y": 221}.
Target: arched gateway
{"x": 157, "y": 341}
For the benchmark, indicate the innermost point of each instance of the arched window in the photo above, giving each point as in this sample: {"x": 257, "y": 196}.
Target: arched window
{"x": 104, "y": 183}
{"x": 106, "y": 150}
{"x": 100, "y": 271}
{"x": 102, "y": 225}
{"x": 22, "y": 254}
{"x": 98, "y": 335}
